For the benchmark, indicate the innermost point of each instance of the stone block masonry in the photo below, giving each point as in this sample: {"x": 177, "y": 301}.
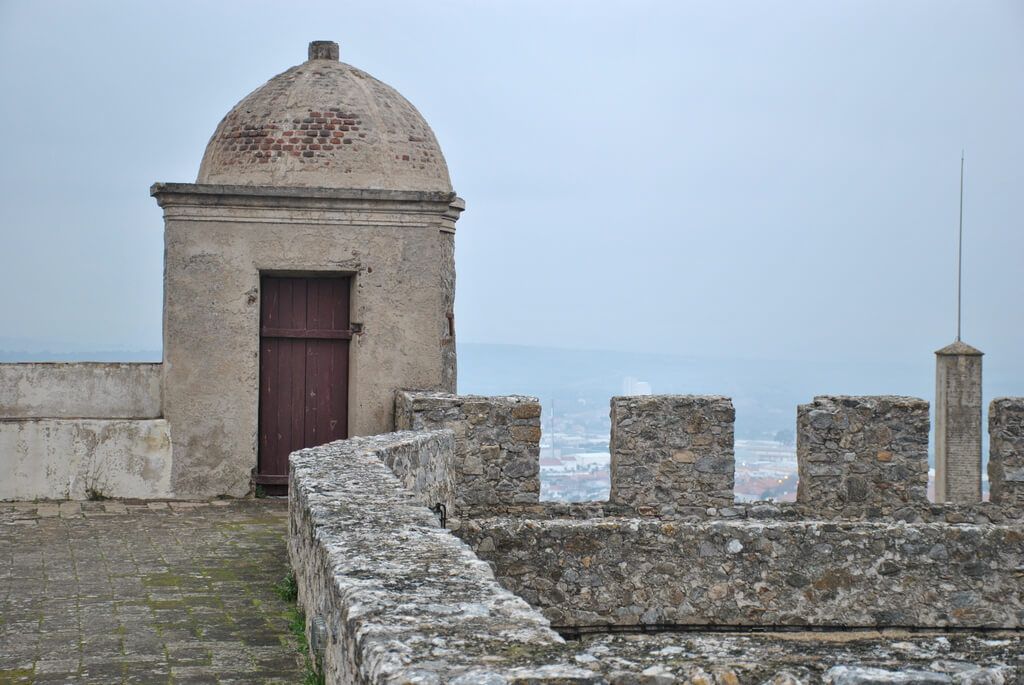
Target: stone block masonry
{"x": 1006, "y": 451}
{"x": 862, "y": 452}
{"x": 670, "y": 451}
{"x": 422, "y": 461}
{"x": 648, "y": 572}
{"x": 497, "y": 443}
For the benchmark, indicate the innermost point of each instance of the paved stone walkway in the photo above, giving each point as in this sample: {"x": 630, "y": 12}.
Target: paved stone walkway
{"x": 107, "y": 592}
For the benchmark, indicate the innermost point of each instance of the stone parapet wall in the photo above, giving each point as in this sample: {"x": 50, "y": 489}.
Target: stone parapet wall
{"x": 422, "y": 462}
{"x": 856, "y": 452}
{"x": 1006, "y": 451}
{"x": 497, "y": 443}
{"x": 391, "y": 597}
{"x": 80, "y": 391}
{"x": 671, "y": 451}
{"x": 642, "y": 572}
{"x": 85, "y": 458}
{"x": 400, "y": 599}
{"x": 981, "y": 513}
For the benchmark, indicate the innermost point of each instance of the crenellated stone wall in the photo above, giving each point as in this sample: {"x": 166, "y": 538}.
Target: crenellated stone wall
{"x": 391, "y": 597}
{"x": 861, "y": 547}
{"x": 670, "y": 451}
{"x": 867, "y": 451}
{"x": 497, "y": 443}
{"x": 1006, "y": 451}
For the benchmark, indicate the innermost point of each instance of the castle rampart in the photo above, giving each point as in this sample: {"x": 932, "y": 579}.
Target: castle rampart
{"x": 386, "y": 588}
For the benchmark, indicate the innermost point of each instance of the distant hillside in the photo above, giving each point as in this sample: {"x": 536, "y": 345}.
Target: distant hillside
{"x": 765, "y": 392}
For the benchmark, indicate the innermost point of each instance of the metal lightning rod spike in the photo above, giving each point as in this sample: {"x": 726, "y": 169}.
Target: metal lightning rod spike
{"x": 960, "y": 250}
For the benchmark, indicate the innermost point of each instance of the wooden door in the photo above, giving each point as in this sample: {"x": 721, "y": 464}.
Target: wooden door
{"x": 304, "y": 338}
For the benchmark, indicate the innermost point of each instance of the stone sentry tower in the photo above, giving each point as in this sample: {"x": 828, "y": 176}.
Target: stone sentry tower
{"x": 309, "y": 274}
{"x": 958, "y": 424}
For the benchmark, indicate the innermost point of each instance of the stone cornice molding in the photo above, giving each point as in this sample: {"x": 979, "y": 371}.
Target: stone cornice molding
{"x": 268, "y": 204}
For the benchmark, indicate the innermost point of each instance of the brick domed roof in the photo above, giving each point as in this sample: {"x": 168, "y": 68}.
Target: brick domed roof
{"x": 325, "y": 124}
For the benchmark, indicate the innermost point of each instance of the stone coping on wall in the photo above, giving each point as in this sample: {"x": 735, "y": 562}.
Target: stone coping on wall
{"x": 401, "y": 600}
{"x": 981, "y": 513}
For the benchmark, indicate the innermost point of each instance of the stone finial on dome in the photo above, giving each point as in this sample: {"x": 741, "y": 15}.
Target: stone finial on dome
{"x": 324, "y": 49}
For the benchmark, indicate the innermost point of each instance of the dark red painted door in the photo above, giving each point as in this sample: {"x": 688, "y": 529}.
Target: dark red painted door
{"x": 304, "y": 338}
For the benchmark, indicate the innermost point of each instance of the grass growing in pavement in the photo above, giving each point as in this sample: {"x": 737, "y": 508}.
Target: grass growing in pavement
{"x": 288, "y": 590}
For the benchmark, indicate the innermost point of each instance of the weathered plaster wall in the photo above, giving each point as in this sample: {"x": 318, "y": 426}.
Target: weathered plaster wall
{"x": 79, "y": 458}
{"x": 855, "y": 452}
{"x": 497, "y": 443}
{"x": 669, "y": 451}
{"x": 217, "y": 242}
{"x": 79, "y": 390}
{"x": 1006, "y": 451}
{"x": 758, "y": 573}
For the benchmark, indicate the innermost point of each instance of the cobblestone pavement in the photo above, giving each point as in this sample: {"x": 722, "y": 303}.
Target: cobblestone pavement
{"x": 109, "y": 592}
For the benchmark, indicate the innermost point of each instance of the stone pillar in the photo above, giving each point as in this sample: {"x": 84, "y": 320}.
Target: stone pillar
{"x": 958, "y": 424}
{"x": 497, "y": 443}
{"x": 1006, "y": 450}
{"x": 672, "y": 450}
{"x": 862, "y": 451}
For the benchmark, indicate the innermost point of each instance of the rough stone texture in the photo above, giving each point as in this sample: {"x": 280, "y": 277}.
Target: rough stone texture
{"x": 867, "y": 451}
{"x": 497, "y": 442}
{"x": 1006, "y": 451}
{"x": 402, "y": 600}
{"x": 421, "y": 460}
{"x": 980, "y": 513}
{"x": 847, "y": 658}
{"x": 630, "y": 572}
{"x": 672, "y": 450}
{"x": 113, "y": 592}
{"x": 79, "y": 458}
{"x": 958, "y": 424}
{"x": 217, "y": 242}
{"x": 79, "y": 391}
{"x": 325, "y": 124}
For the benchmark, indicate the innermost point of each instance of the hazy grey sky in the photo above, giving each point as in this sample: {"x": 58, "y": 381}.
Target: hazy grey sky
{"x": 733, "y": 179}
